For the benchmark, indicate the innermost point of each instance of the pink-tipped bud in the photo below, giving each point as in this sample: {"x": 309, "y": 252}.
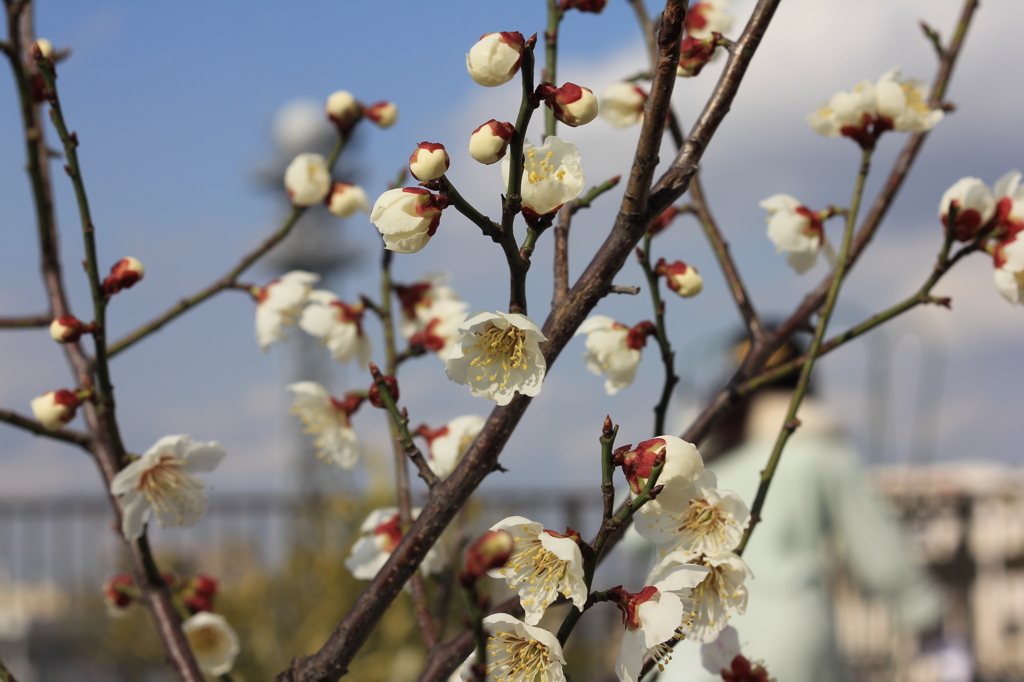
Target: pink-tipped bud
{"x": 374, "y": 392}
{"x": 345, "y": 199}
{"x": 54, "y": 409}
{"x": 198, "y": 603}
{"x": 592, "y": 6}
{"x": 694, "y": 54}
{"x": 383, "y": 114}
{"x": 205, "y": 585}
{"x": 67, "y": 329}
{"x": 119, "y": 592}
{"x": 496, "y": 58}
{"x": 429, "y": 162}
{"x": 42, "y": 49}
{"x": 680, "y": 277}
{"x": 490, "y": 551}
{"x": 125, "y": 273}
{"x": 407, "y": 217}
{"x": 622, "y": 104}
{"x": 572, "y": 105}
{"x": 489, "y": 142}
{"x": 343, "y": 110}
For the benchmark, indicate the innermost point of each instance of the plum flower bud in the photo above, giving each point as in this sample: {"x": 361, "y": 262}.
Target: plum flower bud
{"x": 622, "y": 104}
{"x": 489, "y": 142}
{"x": 663, "y": 220}
{"x": 42, "y": 48}
{"x": 119, "y": 593}
{"x": 374, "y": 393}
{"x": 429, "y": 162}
{"x": 307, "y": 179}
{"x": 1008, "y": 258}
{"x": 492, "y": 550}
{"x": 407, "y": 217}
{"x": 54, "y": 409}
{"x": 125, "y": 273}
{"x": 680, "y": 277}
{"x": 213, "y": 642}
{"x": 694, "y": 54}
{"x": 683, "y": 466}
{"x": 572, "y": 105}
{"x": 496, "y": 57}
{"x": 797, "y": 230}
{"x": 345, "y": 199}
{"x": 67, "y": 329}
{"x": 592, "y": 6}
{"x": 384, "y": 114}
{"x": 974, "y": 206}
{"x": 343, "y": 110}
{"x": 707, "y": 17}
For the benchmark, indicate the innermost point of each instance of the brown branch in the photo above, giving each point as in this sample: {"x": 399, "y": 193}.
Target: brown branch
{"x": 561, "y": 285}
{"x": 78, "y": 438}
{"x": 152, "y": 588}
{"x": 26, "y": 322}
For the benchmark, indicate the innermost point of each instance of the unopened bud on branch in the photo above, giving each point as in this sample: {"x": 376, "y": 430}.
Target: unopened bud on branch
{"x": 489, "y": 142}
{"x": 492, "y": 550}
{"x": 571, "y": 104}
{"x": 125, "y": 273}
{"x": 429, "y": 162}
{"x": 42, "y": 48}
{"x": 343, "y": 110}
{"x": 374, "y": 392}
{"x": 384, "y": 114}
{"x": 496, "y": 57}
{"x": 307, "y": 179}
{"x": 54, "y": 409}
{"x": 119, "y": 593}
{"x": 345, "y": 199}
{"x": 68, "y": 329}
{"x": 680, "y": 277}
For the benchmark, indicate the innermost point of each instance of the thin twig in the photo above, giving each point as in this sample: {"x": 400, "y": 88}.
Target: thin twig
{"x": 561, "y": 258}
{"x": 26, "y": 322}
{"x": 549, "y": 73}
{"x": 78, "y": 438}
{"x": 229, "y": 280}
{"x": 791, "y": 422}
{"x": 668, "y": 356}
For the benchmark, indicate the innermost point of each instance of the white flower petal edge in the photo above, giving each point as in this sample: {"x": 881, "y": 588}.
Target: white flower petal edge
{"x": 338, "y": 326}
{"x": 280, "y": 303}
{"x": 213, "y": 642}
{"x": 542, "y": 566}
{"x": 717, "y": 655}
{"x": 608, "y": 352}
{"x": 379, "y": 534}
{"x": 335, "y": 440}
{"x": 161, "y": 481}
{"x": 446, "y": 450}
{"x": 551, "y": 175}
{"x": 518, "y": 652}
{"x": 497, "y": 356}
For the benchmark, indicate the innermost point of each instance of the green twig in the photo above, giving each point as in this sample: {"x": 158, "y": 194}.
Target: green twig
{"x": 551, "y": 61}
{"x": 791, "y": 422}
{"x": 486, "y": 225}
{"x": 668, "y": 356}
{"x": 403, "y": 436}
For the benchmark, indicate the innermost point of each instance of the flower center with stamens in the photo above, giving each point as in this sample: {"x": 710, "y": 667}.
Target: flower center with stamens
{"x": 206, "y": 640}
{"x": 517, "y": 659}
{"x": 662, "y": 653}
{"x": 500, "y": 351}
{"x": 702, "y": 522}
{"x": 175, "y": 495}
{"x": 915, "y": 98}
{"x": 542, "y": 569}
{"x": 545, "y": 170}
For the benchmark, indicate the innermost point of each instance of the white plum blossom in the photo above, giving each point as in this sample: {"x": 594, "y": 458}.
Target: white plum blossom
{"x": 338, "y": 325}
{"x": 614, "y": 350}
{"x": 44, "y": 47}
{"x": 448, "y": 444}
{"x": 407, "y": 217}
{"x": 544, "y": 565}
{"x": 1009, "y": 195}
{"x": 54, "y": 409}
{"x": 379, "y": 534}
{"x": 683, "y": 466}
{"x": 307, "y": 179}
{"x": 280, "y": 303}
{"x": 489, "y": 142}
{"x": 718, "y": 655}
{"x": 329, "y": 421}
{"x": 872, "y": 108}
{"x": 429, "y": 162}
{"x": 707, "y": 17}
{"x": 498, "y": 355}
{"x": 622, "y": 104}
{"x": 495, "y": 58}
{"x": 518, "y": 652}
{"x": 652, "y": 618}
{"x": 712, "y": 523}
{"x": 343, "y": 110}
{"x": 974, "y": 206}
{"x": 796, "y": 230}
{"x": 902, "y": 104}
{"x": 161, "y": 481}
{"x": 551, "y": 175}
{"x": 345, "y": 199}
{"x": 1008, "y": 259}
{"x": 719, "y": 595}
{"x": 431, "y": 314}
{"x": 213, "y": 641}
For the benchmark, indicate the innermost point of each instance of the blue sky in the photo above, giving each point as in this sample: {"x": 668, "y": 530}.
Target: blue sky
{"x": 174, "y": 104}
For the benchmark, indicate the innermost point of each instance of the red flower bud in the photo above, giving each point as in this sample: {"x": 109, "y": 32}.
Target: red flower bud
{"x": 374, "y": 393}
